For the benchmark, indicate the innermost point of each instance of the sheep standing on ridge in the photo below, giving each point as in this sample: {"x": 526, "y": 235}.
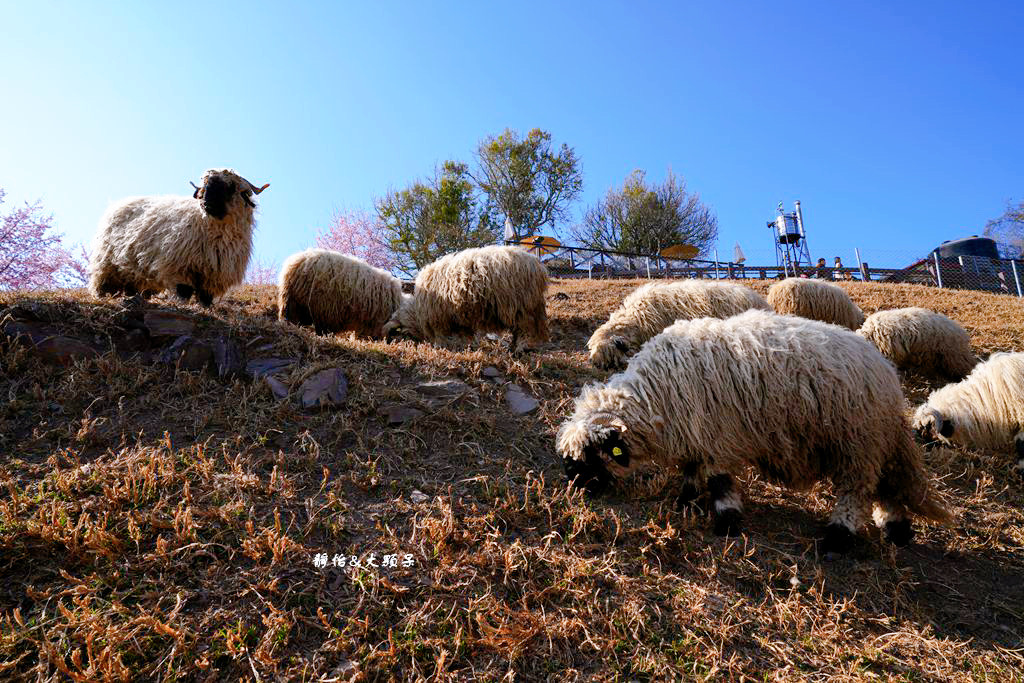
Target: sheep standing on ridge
{"x": 815, "y": 300}
{"x": 921, "y": 339}
{"x": 198, "y": 245}
{"x": 651, "y": 308}
{"x": 799, "y": 400}
{"x": 485, "y": 289}
{"x": 335, "y": 292}
{"x": 985, "y": 410}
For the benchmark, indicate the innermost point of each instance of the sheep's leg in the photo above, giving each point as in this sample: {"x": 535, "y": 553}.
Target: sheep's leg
{"x": 1019, "y": 449}
{"x": 726, "y": 505}
{"x": 847, "y": 518}
{"x": 691, "y": 489}
{"x": 205, "y": 298}
{"x": 513, "y": 344}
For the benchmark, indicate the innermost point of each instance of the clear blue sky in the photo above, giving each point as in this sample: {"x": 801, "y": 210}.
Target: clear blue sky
{"x": 897, "y": 125}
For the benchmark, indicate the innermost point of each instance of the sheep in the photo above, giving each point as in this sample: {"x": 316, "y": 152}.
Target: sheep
{"x": 985, "y": 410}
{"x": 651, "y": 308}
{"x": 921, "y": 339}
{"x": 336, "y": 292}
{"x": 799, "y": 400}
{"x": 198, "y": 245}
{"x": 816, "y": 300}
{"x": 486, "y": 289}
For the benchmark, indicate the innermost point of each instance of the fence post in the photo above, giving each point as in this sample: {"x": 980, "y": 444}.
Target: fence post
{"x": 1016, "y": 277}
{"x": 648, "y": 267}
{"x": 717, "y": 274}
{"x": 938, "y": 268}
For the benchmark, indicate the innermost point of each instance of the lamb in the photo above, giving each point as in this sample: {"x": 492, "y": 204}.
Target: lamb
{"x": 799, "y": 400}
{"x": 198, "y": 245}
{"x": 922, "y": 339}
{"x": 335, "y": 292}
{"x": 651, "y": 308}
{"x": 816, "y": 300}
{"x": 485, "y": 289}
{"x": 985, "y": 410}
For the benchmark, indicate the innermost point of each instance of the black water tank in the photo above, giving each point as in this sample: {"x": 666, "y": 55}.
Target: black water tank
{"x": 968, "y": 246}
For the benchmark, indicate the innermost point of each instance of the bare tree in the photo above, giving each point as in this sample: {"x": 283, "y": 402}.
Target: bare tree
{"x": 1008, "y": 231}
{"x": 644, "y": 218}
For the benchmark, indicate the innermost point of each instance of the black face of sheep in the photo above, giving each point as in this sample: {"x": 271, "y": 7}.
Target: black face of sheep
{"x": 928, "y": 434}
{"x": 398, "y": 333}
{"x": 591, "y": 472}
{"x": 217, "y": 192}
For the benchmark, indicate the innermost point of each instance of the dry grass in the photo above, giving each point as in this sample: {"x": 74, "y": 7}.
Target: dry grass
{"x": 157, "y": 524}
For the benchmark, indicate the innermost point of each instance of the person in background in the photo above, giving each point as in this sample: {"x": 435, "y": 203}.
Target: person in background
{"x": 821, "y": 271}
{"x": 837, "y": 272}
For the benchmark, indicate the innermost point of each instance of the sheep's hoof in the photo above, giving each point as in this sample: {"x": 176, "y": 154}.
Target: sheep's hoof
{"x": 184, "y": 292}
{"x": 838, "y": 541}
{"x": 728, "y": 522}
{"x": 899, "y": 532}
{"x": 688, "y": 496}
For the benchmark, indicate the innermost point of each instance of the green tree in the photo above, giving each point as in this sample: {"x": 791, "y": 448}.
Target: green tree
{"x": 526, "y": 181}
{"x": 427, "y": 220}
{"x": 1008, "y": 231}
{"x": 644, "y": 218}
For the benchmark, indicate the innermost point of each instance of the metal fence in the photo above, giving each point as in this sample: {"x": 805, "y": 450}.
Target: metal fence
{"x": 964, "y": 272}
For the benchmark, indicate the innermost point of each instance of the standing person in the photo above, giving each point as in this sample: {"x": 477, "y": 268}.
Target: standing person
{"x": 837, "y": 272}
{"x": 821, "y": 271}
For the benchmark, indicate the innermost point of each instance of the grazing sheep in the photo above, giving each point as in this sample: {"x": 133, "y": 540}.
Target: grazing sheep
{"x": 335, "y": 292}
{"x": 799, "y": 400}
{"x": 651, "y": 308}
{"x": 197, "y": 245}
{"x": 985, "y": 410}
{"x": 816, "y": 300}
{"x": 486, "y": 289}
{"x": 922, "y": 339}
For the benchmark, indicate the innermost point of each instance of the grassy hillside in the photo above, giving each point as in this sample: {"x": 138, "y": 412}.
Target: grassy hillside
{"x": 158, "y": 523}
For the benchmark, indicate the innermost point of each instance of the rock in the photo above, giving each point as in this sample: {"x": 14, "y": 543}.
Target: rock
{"x": 492, "y": 373}
{"x": 30, "y": 332}
{"x": 324, "y": 389}
{"x": 418, "y": 496}
{"x": 397, "y": 415}
{"x": 227, "y": 357}
{"x": 168, "y": 324}
{"x": 446, "y": 389}
{"x": 260, "y": 367}
{"x": 518, "y": 401}
{"x": 276, "y": 386}
{"x": 64, "y": 350}
{"x": 135, "y": 340}
{"x": 560, "y": 296}
{"x": 188, "y": 353}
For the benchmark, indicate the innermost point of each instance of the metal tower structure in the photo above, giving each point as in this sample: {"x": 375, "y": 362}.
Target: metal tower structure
{"x": 791, "y": 253}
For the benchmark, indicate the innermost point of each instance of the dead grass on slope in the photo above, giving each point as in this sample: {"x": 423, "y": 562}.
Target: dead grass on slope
{"x": 159, "y": 524}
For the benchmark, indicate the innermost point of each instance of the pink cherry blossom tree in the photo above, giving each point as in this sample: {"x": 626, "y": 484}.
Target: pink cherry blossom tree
{"x": 32, "y": 255}
{"x": 360, "y": 234}
{"x": 261, "y": 272}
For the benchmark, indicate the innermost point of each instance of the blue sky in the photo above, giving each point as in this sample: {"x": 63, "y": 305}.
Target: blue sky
{"x": 897, "y": 125}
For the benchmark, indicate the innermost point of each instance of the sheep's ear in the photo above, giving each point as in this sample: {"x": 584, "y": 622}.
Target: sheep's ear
{"x": 946, "y": 428}
{"x": 216, "y": 195}
{"x": 621, "y": 344}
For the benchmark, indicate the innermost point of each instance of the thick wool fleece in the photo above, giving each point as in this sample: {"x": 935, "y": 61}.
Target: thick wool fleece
{"x": 816, "y": 300}
{"x": 799, "y": 400}
{"x": 651, "y": 308}
{"x": 337, "y": 292}
{"x": 486, "y": 289}
{"x": 921, "y": 339}
{"x": 148, "y": 244}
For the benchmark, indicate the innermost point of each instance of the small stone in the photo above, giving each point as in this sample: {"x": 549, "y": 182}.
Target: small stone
{"x": 276, "y": 386}
{"x": 325, "y": 388}
{"x": 227, "y": 357}
{"x": 518, "y": 401}
{"x": 560, "y": 296}
{"x": 64, "y": 350}
{"x": 187, "y": 353}
{"x": 448, "y": 388}
{"x": 397, "y": 415}
{"x": 260, "y": 367}
{"x": 168, "y": 324}
{"x": 491, "y": 373}
{"x": 418, "y": 496}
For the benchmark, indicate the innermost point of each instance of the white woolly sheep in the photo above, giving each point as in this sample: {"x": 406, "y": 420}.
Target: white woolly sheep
{"x": 921, "y": 339}
{"x": 815, "y": 300}
{"x": 197, "y": 245}
{"x": 485, "y": 289}
{"x": 985, "y": 410}
{"x": 799, "y": 400}
{"x": 651, "y": 308}
{"x": 336, "y": 292}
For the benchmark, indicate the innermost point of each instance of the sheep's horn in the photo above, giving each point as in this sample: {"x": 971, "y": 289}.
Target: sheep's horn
{"x": 257, "y": 190}
{"x": 195, "y": 195}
